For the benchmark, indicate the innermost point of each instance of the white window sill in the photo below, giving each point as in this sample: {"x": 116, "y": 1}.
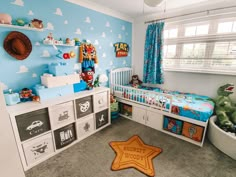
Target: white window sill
{"x": 202, "y": 71}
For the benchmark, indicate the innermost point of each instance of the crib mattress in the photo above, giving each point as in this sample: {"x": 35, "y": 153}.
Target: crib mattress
{"x": 189, "y": 105}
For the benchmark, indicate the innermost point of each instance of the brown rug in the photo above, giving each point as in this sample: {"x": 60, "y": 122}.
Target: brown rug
{"x": 133, "y": 153}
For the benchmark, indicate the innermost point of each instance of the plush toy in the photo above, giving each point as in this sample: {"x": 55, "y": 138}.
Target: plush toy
{"x": 135, "y": 81}
{"x": 225, "y": 109}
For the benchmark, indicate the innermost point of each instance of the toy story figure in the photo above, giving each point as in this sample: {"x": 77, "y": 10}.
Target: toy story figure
{"x": 225, "y": 108}
{"x": 87, "y": 76}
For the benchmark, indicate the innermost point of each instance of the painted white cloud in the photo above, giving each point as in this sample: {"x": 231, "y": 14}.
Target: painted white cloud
{"x": 111, "y": 63}
{"x": 124, "y": 62}
{"x": 126, "y": 34}
{"x": 23, "y": 69}
{"x": 104, "y": 55}
{"x": 103, "y": 34}
{"x": 111, "y": 44}
{"x": 123, "y": 27}
{"x": 58, "y": 12}
{"x": 18, "y": 2}
{"x": 65, "y": 22}
{"x": 37, "y": 44}
{"x": 4, "y": 86}
{"x": 92, "y": 28}
{"x": 76, "y": 66}
{"x": 50, "y": 26}
{"x": 30, "y": 12}
{"x": 88, "y": 41}
{"x": 96, "y": 42}
{"x": 45, "y": 54}
{"x": 107, "y": 24}
{"x": 96, "y": 65}
{"x": 76, "y": 47}
{"x": 111, "y": 31}
{"x": 87, "y": 20}
{"x": 78, "y": 31}
{"x": 34, "y": 75}
{"x": 119, "y": 36}
{"x": 100, "y": 47}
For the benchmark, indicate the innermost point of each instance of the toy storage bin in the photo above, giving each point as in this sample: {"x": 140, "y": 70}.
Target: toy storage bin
{"x": 33, "y": 123}
{"x": 101, "y": 101}
{"x": 12, "y": 98}
{"x": 101, "y": 118}
{"x": 85, "y": 127}
{"x": 56, "y": 81}
{"x": 65, "y": 136}
{"x": 60, "y": 69}
{"x": 38, "y": 148}
{"x": 172, "y": 125}
{"x": 84, "y": 106}
{"x": 62, "y": 114}
{"x": 193, "y": 131}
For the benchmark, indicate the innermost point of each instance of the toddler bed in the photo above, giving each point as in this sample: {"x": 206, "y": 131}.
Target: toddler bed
{"x": 187, "y": 107}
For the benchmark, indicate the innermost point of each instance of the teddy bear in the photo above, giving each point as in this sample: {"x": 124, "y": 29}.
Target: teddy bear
{"x": 135, "y": 81}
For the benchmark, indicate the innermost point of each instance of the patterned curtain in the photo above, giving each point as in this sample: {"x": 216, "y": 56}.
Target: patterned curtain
{"x": 152, "y": 71}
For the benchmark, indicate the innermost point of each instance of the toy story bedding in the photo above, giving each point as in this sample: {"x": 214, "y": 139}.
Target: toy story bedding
{"x": 189, "y": 105}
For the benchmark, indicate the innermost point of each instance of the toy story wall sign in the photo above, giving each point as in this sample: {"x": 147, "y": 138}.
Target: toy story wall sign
{"x": 121, "y": 49}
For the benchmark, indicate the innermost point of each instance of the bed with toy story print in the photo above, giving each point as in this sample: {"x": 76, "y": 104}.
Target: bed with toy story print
{"x": 185, "y": 109}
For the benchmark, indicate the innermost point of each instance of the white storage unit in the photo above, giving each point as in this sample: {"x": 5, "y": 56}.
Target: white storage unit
{"x": 44, "y": 129}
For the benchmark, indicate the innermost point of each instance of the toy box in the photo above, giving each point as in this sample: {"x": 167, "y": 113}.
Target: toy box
{"x": 172, "y": 125}
{"x": 193, "y": 131}
{"x": 60, "y": 69}
{"x": 55, "y": 81}
{"x": 12, "y": 98}
{"x": 125, "y": 109}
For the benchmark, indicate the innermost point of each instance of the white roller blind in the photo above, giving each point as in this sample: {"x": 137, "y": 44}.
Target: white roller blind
{"x": 203, "y": 46}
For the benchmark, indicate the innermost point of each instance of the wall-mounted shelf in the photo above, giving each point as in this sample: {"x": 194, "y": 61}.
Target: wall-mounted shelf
{"x": 66, "y": 45}
{"x": 20, "y": 27}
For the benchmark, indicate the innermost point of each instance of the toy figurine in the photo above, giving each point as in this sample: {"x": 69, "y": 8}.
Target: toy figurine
{"x": 26, "y": 95}
{"x": 225, "y": 108}
{"x": 87, "y": 76}
{"x": 135, "y": 81}
{"x": 36, "y": 23}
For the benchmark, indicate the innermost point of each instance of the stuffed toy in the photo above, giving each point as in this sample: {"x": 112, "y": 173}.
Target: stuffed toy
{"x": 225, "y": 109}
{"x": 135, "y": 81}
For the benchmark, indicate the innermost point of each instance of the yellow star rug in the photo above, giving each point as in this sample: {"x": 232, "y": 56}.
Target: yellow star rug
{"x": 133, "y": 153}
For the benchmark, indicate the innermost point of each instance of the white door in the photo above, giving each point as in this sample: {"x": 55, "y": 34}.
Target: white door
{"x": 154, "y": 120}
{"x": 139, "y": 115}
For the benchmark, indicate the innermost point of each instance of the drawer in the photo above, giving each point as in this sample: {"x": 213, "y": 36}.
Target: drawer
{"x": 84, "y": 106}
{"x": 33, "y": 123}
{"x": 100, "y": 101}
{"x": 85, "y": 127}
{"x": 61, "y": 114}
{"x": 65, "y": 136}
{"x": 101, "y": 118}
{"x": 38, "y": 149}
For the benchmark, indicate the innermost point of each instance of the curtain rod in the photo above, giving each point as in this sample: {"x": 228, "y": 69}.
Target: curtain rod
{"x": 207, "y": 11}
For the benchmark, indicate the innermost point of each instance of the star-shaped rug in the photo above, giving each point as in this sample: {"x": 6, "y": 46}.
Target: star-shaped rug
{"x": 133, "y": 153}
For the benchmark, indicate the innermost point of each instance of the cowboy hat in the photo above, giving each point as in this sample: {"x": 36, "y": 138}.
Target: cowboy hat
{"x": 17, "y": 45}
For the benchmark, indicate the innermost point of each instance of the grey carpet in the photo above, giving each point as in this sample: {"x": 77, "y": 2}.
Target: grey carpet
{"x": 93, "y": 156}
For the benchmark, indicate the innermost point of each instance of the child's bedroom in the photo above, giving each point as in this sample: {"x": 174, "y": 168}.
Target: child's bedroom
{"x": 117, "y": 88}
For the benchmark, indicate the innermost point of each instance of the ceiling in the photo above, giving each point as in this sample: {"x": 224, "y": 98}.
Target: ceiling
{"x": 135, "y": 8}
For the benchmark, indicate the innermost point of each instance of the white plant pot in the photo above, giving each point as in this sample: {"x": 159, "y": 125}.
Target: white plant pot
{"x": 221, "y": 139}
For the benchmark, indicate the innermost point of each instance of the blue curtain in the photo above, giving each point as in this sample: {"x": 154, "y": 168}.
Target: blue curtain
{"x": 152, "y": 71}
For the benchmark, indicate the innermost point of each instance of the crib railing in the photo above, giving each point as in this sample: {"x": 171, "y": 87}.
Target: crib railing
{"x": 160, "y": 101}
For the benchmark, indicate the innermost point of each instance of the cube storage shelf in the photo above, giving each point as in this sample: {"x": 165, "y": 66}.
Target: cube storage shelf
{"x": 44, "y": 129}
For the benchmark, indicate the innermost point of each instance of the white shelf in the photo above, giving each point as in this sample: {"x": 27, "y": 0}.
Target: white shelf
{"x": 66, "y": 45}
{"x": 20, "y": 27}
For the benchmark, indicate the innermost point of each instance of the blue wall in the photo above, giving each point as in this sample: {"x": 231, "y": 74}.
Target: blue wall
{"x": 64, "y": 20}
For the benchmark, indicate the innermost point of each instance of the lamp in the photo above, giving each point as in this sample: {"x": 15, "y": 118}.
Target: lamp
{"x": 152, "y": 3}
{"x": 101, "y": 78}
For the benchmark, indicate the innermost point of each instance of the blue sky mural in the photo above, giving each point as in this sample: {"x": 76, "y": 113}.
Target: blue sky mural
{"x": 63, "y": 20}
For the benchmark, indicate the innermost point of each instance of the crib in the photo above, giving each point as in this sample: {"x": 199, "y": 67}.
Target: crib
{"x": 157, "y": 109}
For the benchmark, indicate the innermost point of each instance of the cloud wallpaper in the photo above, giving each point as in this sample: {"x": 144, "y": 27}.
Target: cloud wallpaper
{"x": 63, "y": 20}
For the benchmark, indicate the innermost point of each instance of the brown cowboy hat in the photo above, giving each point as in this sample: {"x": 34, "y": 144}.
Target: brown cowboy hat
{"x": 17, "y": 45}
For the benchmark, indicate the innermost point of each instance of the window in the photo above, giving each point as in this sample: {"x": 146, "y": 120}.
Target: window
{"x": 206, "y": 46}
